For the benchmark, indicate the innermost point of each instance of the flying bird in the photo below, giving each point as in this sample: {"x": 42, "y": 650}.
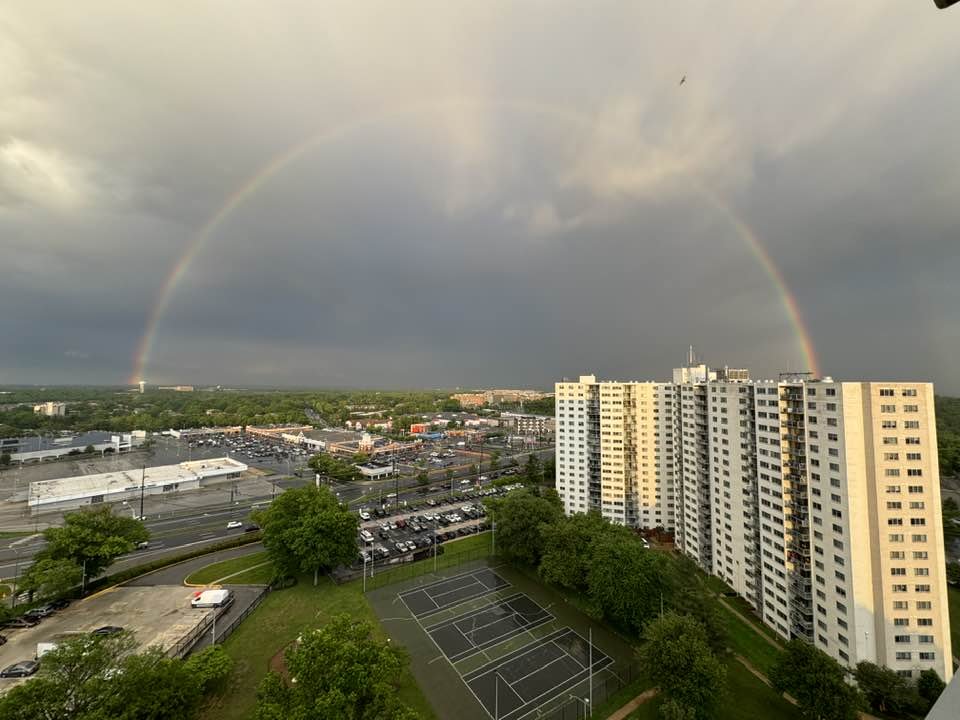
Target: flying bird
{"x": 683, "y": 79}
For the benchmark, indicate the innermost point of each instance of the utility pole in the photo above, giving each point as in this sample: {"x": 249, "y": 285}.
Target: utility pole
{"x": 143, "y": 479}
{"x": 396, "y": 481}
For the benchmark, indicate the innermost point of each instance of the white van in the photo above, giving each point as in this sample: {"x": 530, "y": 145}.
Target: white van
{"x": 212, "y": 599}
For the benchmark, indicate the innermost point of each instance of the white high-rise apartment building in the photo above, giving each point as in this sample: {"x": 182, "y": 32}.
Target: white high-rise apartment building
{"x": 817, "y": 501}
{"x": 616, "y": 445}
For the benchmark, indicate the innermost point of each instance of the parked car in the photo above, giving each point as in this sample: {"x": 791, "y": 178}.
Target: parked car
{"x": 107, "y": 630}
{"x": 21, "y": 622}
{"x": 24, "y": 668}
{"x": 60, "y": 604}
{"x": 41, "y": 612}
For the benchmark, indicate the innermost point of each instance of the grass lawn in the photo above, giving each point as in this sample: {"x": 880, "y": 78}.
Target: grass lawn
{"x": 282, "y": 616}
{"x": 14, "y": 533}
{"x": 953, "y": 596}
{"x": 747, "y": 698}
{"x": 214, "y": 572}
{"x": 746, "y": 640}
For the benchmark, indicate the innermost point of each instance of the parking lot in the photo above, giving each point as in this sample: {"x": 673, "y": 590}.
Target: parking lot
{"x": 388, "y": 534}
{"x": 158, "y": 615}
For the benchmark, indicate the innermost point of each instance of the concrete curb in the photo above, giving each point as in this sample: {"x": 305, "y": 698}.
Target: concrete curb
{"x": 164, "y": 567}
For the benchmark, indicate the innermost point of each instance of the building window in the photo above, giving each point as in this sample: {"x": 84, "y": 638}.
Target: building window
{"x": 886, "y": 392}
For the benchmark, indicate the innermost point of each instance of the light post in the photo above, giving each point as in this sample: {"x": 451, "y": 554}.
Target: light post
{"x": 585, "y": 701}
{"x": 16, "y": 578}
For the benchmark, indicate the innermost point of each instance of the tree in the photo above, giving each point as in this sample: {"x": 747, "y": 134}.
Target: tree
{"x": 533, "y": 471}
{"x": 423, "y": 479}
{"x": 448, "y": 476}
{"x": 884, "y": 690}
{"x": 520, "y": 517}
{"x": 929, "y": 686}
{"x": 568, "y": 548}
{"x": 211, "y": 667}
{"x": 550, "y": 472}
{"x": 494, "y": 461}
{"x": 48, "y": 578}
{"x": 816, "y": 681}
{"x": 305, "y": 529}
{"x": 953, "y": 573}
{"x": 93, "y": 539}
{"x": 360, "y": 458}
{"x": 5, "y": 459}
{"x": 151, "y": 685}
{"x": 71, "y": 683}
{"x": 89, "y": 449}
{"x": 340, "y": 670}
{"x": 625, "y": 582}
{"x": 96, "y": 678}
{"x": 675, "y": 710}
{"x": 682, "y": 666}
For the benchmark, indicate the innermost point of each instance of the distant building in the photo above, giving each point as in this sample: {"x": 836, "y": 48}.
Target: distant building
{"x": 143, "y": 386}
{"x": 51, "y": 409}
{"x": 277, "y": 431}
{"x": 528, "y": 424}
{"x": 176, "y": 388}
{"x": 495, "y": 397}
{"x": 188, "y": 433}
{"x": 418, "y": 428}
{"x": 470, "y": 400}
{"x": 374, "y": 471}
{"x": 36, "y": 449}
{"x": 83, "y": 490}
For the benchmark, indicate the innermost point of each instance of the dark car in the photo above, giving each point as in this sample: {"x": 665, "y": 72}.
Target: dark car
{"x": 251, "y": 528}
{"x": 21, "y": 622}
{"x": 60, "y": 604}
{"x": 24, "y": 668}
{"x": 107, "y": 630}
{"x": 3, "y": 640}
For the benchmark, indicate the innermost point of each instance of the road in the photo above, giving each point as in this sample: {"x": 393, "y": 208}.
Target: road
{"x": 200, "y": 518}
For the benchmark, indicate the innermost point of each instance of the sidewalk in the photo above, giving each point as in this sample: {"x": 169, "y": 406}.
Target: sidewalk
{"x": 639, "y": 700}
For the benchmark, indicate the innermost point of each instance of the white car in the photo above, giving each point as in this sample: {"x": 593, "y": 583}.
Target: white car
{"x": 234, "y": 524}
{"x": 364, "y": 515}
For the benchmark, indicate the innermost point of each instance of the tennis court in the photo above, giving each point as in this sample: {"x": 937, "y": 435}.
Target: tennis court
{"x": 432, "y": 598}
{"x": 517, "y": 684}
{"x": 487, "y": 626}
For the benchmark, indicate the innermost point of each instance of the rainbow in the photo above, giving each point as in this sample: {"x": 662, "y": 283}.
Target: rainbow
{"x": 278, "y": 163}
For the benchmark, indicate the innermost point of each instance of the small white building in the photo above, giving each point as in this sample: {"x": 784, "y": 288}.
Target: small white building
{"x": 375, "y": 472}
{"x": 82, "y": 490}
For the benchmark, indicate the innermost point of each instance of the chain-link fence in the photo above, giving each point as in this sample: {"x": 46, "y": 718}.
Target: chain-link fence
{"x": 379, "y": 576}
{"x": 577, "y": 704}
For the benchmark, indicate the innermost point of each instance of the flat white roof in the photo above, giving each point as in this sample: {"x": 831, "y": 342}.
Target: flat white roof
{"x": 82, "y": 486}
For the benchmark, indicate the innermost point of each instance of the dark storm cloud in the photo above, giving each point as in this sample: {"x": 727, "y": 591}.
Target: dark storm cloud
{"x": 506, "y": 196}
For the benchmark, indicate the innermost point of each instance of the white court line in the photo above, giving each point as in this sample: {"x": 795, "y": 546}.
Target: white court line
{"x": 459, "y": 601}
{"x": 470, "y": 613}
{"x": 533, "y": 672}
{"x": 517, "y": 657}
{"x": 438, "y": 598}
{"x": 469, "y": 573}
{"x": 575, "y": 679}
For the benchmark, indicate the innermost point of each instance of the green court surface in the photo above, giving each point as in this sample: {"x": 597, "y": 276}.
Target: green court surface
{"x": 510, "y": 648}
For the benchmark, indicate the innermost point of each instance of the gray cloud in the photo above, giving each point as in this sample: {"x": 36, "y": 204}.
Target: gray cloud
{"x": 500, "y": 194}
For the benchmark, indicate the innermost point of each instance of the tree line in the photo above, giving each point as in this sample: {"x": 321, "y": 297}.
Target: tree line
{"x": 120, "y": 411}
{"x": 92, "y": 677}
{"x": 661, "y": 600}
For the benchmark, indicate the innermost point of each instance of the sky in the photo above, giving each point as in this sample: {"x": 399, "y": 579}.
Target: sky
{"x": 437, "y": 194}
